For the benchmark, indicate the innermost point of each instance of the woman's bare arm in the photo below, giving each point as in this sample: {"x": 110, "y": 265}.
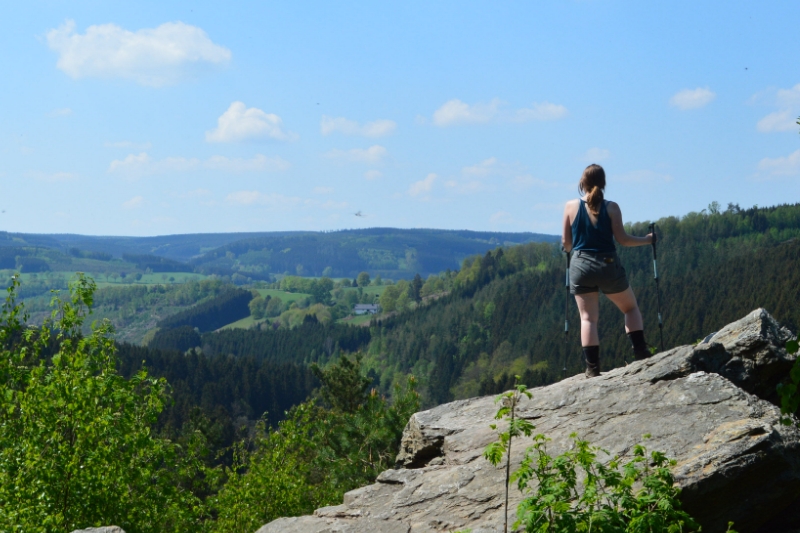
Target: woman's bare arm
{"x": 618, "y": 228}
{"x": 566, "y": 230}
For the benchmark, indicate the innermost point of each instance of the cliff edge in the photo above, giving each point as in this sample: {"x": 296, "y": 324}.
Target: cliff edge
{"x": 707, "y": 406}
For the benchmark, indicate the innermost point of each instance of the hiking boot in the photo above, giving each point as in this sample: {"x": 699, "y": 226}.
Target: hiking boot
{"x": 640, "y": 348}
{"x": 591, "y": 354}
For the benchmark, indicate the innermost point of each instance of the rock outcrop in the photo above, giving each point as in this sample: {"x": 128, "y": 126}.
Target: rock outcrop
{"x": 707, "y": 406}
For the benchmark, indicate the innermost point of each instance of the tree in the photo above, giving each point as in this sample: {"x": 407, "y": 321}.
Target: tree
{"x": 258, "y": 307}
{"x": 327, "y": 272}
{"x": 416, "y": 288}
{"x": 76, "y": 446}
{"x": 363, "y": 279}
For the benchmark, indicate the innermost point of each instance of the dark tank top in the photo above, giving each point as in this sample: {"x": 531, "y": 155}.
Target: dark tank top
{"x": 585, "y": 236}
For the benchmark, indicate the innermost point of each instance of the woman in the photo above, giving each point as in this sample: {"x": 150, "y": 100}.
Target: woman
{"x": 591, "y": 224}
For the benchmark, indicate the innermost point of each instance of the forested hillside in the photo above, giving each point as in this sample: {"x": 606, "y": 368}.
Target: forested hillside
{"x": 504, "y": 314}
{"x": 242, "y": 405}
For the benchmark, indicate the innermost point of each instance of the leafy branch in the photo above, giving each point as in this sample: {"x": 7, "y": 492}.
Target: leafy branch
{"x": 516, "y": 426}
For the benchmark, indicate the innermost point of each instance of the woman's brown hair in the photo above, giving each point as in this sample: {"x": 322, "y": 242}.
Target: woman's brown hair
{"x": 592, "y": 184}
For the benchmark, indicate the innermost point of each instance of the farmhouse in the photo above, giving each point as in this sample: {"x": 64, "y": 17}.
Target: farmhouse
{"x": 363, "y": 309}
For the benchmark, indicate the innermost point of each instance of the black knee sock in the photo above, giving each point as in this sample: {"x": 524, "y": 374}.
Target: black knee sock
{"x": 592, "y": 355}
{"x": 640, "y": 349}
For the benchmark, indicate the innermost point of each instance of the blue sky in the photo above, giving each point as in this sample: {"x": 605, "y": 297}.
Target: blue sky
{"x": 154, "y": 118}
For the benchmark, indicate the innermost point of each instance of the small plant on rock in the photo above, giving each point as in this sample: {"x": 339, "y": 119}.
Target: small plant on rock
{"x": 516, "y": 426}
{"x": 576, "y": 492}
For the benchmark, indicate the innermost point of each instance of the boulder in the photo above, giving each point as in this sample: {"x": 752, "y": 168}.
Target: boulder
{"x": 707, "y": 406}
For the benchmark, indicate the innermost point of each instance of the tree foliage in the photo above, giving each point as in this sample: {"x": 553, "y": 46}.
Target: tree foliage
{"x": 324, "y": 448}
{"x": 76, "y": 447}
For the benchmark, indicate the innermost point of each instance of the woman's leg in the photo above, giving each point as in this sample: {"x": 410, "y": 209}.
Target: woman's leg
{"x": 626, "y": 302}
{"x": 589, "y": 309}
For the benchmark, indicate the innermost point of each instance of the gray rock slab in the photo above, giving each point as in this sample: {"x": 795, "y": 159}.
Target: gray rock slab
{"x": 701, "y": 405}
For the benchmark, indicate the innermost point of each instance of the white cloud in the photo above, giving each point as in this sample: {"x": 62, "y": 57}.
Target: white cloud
{"x": 780, "y": 166}
{"x": 279, "y": 201}
{"x": 54, "y": 177}
{"x": 778, "y": 121}
{"x": 501, "y": 217}
{"x": 786, "y": 118}
{"x": 789, "y": 97}
{"x": 61, "y": 112}
{"x": 133, "y": 203}
{"x": 422, "y": 186}
{"x": 643, "y": 176}
{"x": 692, "y": 98}
{"x": 143, "y": 164}
{"x": 457, "y": 112}
{"x": 465, "y": 187}
{"x": 259, "y": 163}
{"x": 197, "y": 193}
{"x": 240, "y": 123}
{"x": 128, "y": 145}
{"x": 259, "y": 198}
{"x": 373, "y": 174}
{"x": 540, "y": 111}
{"x": 373, "y": 154}
{"x": 594, "y": 155}
{"x": 484, "y": 168}
{"x": 151, "y": 56}
{"x": 378, "y": 128}
{"x": 323, "y": 190}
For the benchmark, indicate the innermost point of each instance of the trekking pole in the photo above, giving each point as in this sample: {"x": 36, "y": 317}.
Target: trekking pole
{"x": 566, "y": 318}
{"x": 658, "y": 292}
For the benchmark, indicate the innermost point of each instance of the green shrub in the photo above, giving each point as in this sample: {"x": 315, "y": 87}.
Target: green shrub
{"x": 76, "y": 448}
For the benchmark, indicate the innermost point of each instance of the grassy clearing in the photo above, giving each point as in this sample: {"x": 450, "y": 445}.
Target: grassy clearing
{"x": 244, "y": 323}
{"x": 282, "y": 295}
{"x": 356, "y": 320}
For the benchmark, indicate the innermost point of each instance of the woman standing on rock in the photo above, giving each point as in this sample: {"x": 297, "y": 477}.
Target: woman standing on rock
{"x": 591, "y": 224}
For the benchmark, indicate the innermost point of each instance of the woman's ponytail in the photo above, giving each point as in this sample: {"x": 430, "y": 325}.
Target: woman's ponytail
{"x": 592, "y": 183}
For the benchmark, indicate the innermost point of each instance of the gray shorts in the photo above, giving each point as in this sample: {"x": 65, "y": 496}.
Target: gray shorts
{"x": 592, "y": 272}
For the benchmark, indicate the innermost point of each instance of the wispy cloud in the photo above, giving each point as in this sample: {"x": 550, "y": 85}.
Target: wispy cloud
{"x": 259, "y": 198}
{"x": 133, "y": 203}
{"x": 769, "y": 168}
{"x": 323, "y": 190}
{"x": 692, "y": 98}
{"x": 279, "y": 201}
{"x": 373, "y": 154}
{"x": 378, "y": 128}
{"x": 786, "y": 118}
{"x": 61, "y": 112}
{"x": 455, "y": 112}
{"x": 142, "y": 164}
{"x": 540, "y": 111}
{"x": 373, "y": 174}
{"x": 53, "y": 177}
{"x": 419, "y": 188}
{"x": 484, "y": 168}
{"x": 151, "y": 56}
{"x": 595, "y": 155}
{"x": 240, "y": 123}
